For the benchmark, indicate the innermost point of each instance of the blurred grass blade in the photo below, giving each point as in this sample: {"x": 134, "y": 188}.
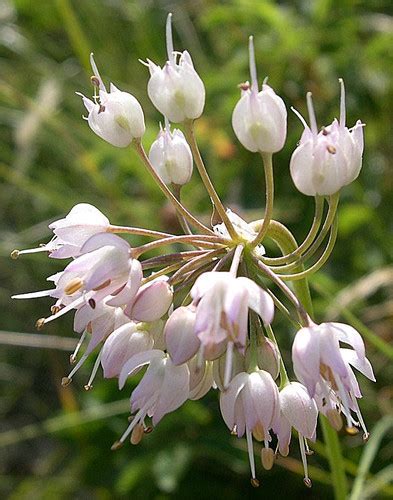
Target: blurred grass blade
{"x": 368, "y": 456}
{"x": 379, "y": 481}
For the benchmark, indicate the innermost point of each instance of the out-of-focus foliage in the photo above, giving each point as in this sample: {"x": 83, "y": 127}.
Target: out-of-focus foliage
{"x": 55, "y": 442}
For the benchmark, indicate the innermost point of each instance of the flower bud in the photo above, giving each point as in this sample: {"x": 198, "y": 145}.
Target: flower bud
{"x": 151, "y": 302}
{"x": 181, "y": 341}
{"x": 171, "y": 157}
{"x": 324, "y": 162}
{"x": 121, "y": 345}
{"x": 176, "y": 90}
{"x": 259, "y": 119}
{"x": 268, "y": 357}
{"x": 116, "y": 116}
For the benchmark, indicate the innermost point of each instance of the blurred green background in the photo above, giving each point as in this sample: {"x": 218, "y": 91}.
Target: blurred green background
{"x": 54, "y": 441}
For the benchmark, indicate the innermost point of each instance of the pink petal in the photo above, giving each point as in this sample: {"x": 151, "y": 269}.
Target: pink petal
{"x": 228, "y": 398}
{"x": 136, "y": 362}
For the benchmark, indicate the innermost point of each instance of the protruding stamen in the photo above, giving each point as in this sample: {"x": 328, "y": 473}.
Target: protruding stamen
{"x": 89, "y": 384}
{"x": 95, "y": 81}
{"x": 39, "y": 324}
{"x": 311, "y": 114}
{"x": 351, "y": 430}
{"x": 66, "y": 381}
{"x": 136, "y": 420}
{"x": 331, "y": 149}
{"x": 253, "y": 67}
{"x": 169, "y": 39}
{"x": 250, "y": 449}
{"x": 78, "y": 346}
{"x": 137, "y": 434}
{"x": 307, "y": 480}
{"x": 342, "y": 103}
{"x": 148, "y": 429}
{"x": 267, "y": 458}
{"x": 308, "y": 451}
{"x": 96, "y": 73}
{"x": 234, "y": 430}
{"x": 259, "y": 432}
{"x": 14, "y": 254}
{"x": 254, "y": 482}
{"x": 116, "y": 445}
{"x": 77, "y": 366}
{"x": 304, "y": 123}
{"x": 228, "y": 364}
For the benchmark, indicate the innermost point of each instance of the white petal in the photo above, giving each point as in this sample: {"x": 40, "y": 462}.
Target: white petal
{"x": 228, "y": 398}
{"x": 136, "y": 362}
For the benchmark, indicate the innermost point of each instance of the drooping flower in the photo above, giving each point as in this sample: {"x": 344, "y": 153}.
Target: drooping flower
{"x": 323, "y": 366}
{"x": 298, "y": 410}
{"x": 181, "y": 341}
{"x": 268, "y": 356}
{"x": 171, "y": 156}
{"x": 260, "y": 117}
{"x": 115, "y": 116}
{"x": 251, "y": 405}
{"x": 70, "y": 233}
{"x": 176, "y": 90}
{"x": 151, "y": 302}
{"x": 325, "y": 162}
{"x": 163, "y": 388}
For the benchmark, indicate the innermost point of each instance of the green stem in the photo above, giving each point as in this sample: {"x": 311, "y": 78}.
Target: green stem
{"x": 182, "y": 220}
{"x": 267, "y": 159}
{"x": 308, "y": 240}
{"x": 190, "y": 136}
{"x": 167, "y": 192}
{"x": 284, "y": 379}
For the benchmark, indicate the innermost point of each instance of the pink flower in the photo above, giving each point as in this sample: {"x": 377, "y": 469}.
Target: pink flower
{"x": 181, "y": 340}
{"x": 323, "y": 366}
{"x": 251, "y": 405}
{"x": 151, "y": 302}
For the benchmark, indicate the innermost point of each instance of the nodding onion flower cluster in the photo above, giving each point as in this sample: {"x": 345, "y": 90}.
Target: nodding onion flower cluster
{"x": 203, "y": 318}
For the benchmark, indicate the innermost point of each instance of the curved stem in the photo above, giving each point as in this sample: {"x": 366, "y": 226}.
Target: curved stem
{"x": 267, "y": 159}
{"x": 305, "y": 319}
{"x": 324, "y": 257}
{"x": 316, "y": 223}
{"x": 196, "y": 240}
{"x": 139, "y": 231}
{"x": 284, "y": 379}
{"x": 171, "y": 258}
{"x": 167, "y": 192}
{"x": 190, "y": 136}
{"x": 162, "y": 272}
{"x": 236, "y": 260}
{"x": 194, "y": 263}
{"x": 182, "y": 220}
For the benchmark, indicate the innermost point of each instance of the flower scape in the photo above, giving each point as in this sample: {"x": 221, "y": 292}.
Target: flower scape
{"x": 202, "y": 318}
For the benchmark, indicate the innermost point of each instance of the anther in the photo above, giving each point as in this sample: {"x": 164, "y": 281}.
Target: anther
{"x": 116, "y": 445}
{"x": 88, "y": 387}
{"x": 14, "y": 254}
{"x": 101, "y": 109}
{"x": 148, "y": 429}
{"x": 254, "y": 482}
{"x": 244, "y": 86}
{"x": 72, "y": 359}
{"x": 366, "y": 435}
{"x": 324, "y": 131}
{"x": 73, "y": 286}
{"x": 137, "y": 434}
{"x": 307, "y": 481}
{"x": 92, "y": 303}
{"x": 66, "y": 381}
{"x": 54, "y": 309}
{"x": 258, "y": 432}
{"x": 234, "y": 431}
{"x": 335, "y": 419}
{"x": 103, "y": 285}
{"x": 267, "y": 458}
{"x": 39, "y": 324}
{"x": 352, "y": 431}
{"x": 332, "y": 150}
{"x": 95, "y": 81}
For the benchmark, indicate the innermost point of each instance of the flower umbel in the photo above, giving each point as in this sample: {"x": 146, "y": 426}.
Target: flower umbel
{"x": 200, "y": 311}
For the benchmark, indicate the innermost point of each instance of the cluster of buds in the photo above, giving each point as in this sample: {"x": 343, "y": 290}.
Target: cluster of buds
{"x": 203, "y": 317}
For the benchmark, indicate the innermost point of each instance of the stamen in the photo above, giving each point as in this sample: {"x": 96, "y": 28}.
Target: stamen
{"x": 228, "y": 364}
{"x": 169, "y": 39}
{"x": 89, "y": 384}
{"x": 116, "y": 445}
{"x": 73, "y": 286}
{"x": 96, "y": 73}
{"x": 137, "y": 434}
{"x": 351, "y": 430}
{"x": 306, "y": 480}
{"x": 95, "y": 81}
{"x": 332, "y": 150}
{"x": 75, "y": 369}
{"x": 254, "y": 482}
{"x": 78, "y": 346}
{"x": 92, "y": 303}
{"x": 311, "y": 114}
{"x": 138, "y": 417}
{"x": 39, "y": 324}
{"x": 308, "y": 451}
{"x": 345, "y": 402}
{"x": 14, "y": 254}
{"x": 250, "y": 449}
{"x": 148, "y": 429}
{"x": 259, "y": 432}
{"x": 304, "y": 123}
{"x": 234, "y": 430}
{"x": 253, "y": 67}
{"x": 366, "y": 434}
{"x": 103, "y": 285}
{"x": 66, "y": 381}
{"x": 342, "y": 103}
{"x": 267, "y": 458}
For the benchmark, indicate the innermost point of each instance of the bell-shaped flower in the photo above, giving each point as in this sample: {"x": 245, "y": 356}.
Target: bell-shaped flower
{"x": 115, "y": 116}
{"x": 323, "y": 366}
{"x": 176, "y": 90}
{"x": 163, "y": 388}
{"x": 268, "y": 356}
{"x": 325, "y": 162}
{"x": 298, "y": 410}
{"x": 251, "y": 405}
{"x": 152, "y": 301}
{"x": 181, "y": 341}
{"x": 171, "y": 157}
{"x": 201, "y": 377}
{"x": 259, "y": 119}
{"x": 121, "y": 345}
{"x": 70, "y": 233}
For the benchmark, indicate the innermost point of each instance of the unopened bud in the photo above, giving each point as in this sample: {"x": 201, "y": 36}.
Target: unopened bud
{"x": 181, "y": 341}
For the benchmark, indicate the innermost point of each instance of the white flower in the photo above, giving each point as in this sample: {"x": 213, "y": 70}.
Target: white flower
{"x": 116, "y": 116}
{"x": 324, "y": 162}
{"x": 171, "y": 157}
{"x": 260, "y": 118}
{"x": 176, "y": 90}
